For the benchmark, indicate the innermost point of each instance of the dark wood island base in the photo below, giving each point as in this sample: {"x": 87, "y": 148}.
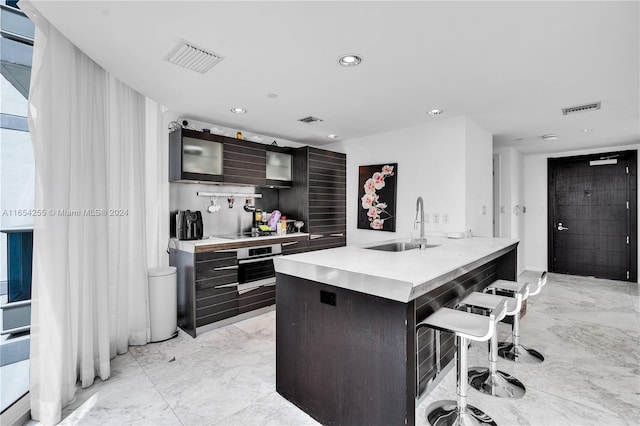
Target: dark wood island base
{"x": 350, "y": 358}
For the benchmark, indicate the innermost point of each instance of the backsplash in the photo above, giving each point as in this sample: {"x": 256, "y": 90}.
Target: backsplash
{"x": 183, "y": 196}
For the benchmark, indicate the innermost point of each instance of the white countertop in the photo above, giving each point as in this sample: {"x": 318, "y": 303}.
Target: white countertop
{"x": 400, "y": 276}
{"x": 213, "y": 242}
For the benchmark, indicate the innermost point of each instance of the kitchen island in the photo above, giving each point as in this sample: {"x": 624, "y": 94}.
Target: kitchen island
{"x": 346, "y": 347}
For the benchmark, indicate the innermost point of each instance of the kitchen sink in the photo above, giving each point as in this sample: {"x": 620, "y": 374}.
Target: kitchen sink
{"x": 401, "y": 246}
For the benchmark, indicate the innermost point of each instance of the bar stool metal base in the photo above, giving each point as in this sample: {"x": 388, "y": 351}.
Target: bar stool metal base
{"x": 519, "y": 353}
{"x": 446, "y": 413}
{"x": 498, "y": 384}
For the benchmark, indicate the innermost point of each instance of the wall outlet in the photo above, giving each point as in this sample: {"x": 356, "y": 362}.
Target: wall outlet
{"x": 436, "y": 218}
{"x": 445, "y": 218}
{"x": 484, "y": 209}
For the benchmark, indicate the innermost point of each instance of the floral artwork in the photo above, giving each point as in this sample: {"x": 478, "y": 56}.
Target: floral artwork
{"x": 377, "y": 197}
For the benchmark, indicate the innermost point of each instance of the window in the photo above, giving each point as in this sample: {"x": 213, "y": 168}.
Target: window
{"x": 17, "y": 172}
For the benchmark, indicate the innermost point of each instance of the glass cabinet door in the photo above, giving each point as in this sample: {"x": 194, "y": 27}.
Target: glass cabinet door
{"x": 278, "y": 166}
{"x": 201, "y": 156}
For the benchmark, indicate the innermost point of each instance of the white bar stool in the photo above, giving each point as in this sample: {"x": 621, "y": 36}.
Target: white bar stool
{"x": 514, "y": 351}
{"x": 490, "y": 380}
{"x": 466, "y": 326}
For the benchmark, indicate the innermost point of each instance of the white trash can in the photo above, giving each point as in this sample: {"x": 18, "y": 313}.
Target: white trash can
{"x": 163, "y": 303}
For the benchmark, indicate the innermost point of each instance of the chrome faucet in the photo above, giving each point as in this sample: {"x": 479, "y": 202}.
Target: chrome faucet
{"x": 420, "y": 211}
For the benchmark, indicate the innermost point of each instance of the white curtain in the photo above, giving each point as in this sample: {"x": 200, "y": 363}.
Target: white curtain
{"x": 90, "y": 294}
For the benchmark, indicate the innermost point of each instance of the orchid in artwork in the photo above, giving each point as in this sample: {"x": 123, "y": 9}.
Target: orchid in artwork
{"x": 370, "y": 200}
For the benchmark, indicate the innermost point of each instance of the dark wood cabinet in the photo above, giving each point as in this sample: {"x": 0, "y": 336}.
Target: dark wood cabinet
{"x": 207, "y": 287}
{"x": 318, "y": 196}
{"x": 209, "y": 281}
{"x": 244, "y": 162}
{"x": 207, "y": 158}
{"x": 195, "y": 156}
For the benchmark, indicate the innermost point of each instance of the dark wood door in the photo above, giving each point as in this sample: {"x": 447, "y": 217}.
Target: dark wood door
{"x": 592, "y": 215}
{"x": 318, "y": 196}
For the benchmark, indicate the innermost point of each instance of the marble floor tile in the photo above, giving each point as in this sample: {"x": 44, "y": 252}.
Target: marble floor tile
{"x": 128, "y": 397}
{"x": 587, "y": 329}
{"x": 272, "y": 410}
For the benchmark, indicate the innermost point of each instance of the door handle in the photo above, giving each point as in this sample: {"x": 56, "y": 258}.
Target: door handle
{"x": 562, "y": 228}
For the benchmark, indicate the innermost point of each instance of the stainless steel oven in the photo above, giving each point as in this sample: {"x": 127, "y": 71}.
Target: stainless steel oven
{"x": 255, "y": 266}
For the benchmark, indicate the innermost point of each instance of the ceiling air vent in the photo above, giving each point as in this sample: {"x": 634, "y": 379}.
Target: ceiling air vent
{"x": 581, "y": 108}
{"x": 193, "y": 58}
{"x": 310, "y": 120}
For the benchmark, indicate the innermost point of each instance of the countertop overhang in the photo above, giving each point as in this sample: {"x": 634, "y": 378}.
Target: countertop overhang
{"x": 400, "y": 276}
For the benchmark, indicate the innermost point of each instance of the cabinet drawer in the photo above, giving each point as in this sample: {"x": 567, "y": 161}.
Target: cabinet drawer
{"x": 229, "y": 307}
{"x": 326, "y": 242}
{"x": 211, "y": 316}
{"x": 293, "y": 247}
{"x": 216, "y": 268}
{"x": 257, "y": 298}
{"x": 217, "y": 280}
{"x": 215, "y": 296}
{"x": 224, "y": 257}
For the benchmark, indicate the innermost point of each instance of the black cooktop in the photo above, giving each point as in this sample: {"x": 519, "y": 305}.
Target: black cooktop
{"x": 242, "y": 235}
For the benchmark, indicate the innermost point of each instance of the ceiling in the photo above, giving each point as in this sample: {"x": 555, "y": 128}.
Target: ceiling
{"x": 508, "y": 66}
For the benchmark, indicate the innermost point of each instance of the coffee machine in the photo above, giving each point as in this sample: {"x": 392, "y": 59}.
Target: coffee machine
{"x": 189, "y": 225}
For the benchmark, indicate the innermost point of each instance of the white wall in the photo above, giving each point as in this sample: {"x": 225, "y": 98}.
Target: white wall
{"x": 479, "y": 180}
{"x": 535, "y": 198}
{"x": 431, "y": 163}
{"x": 512, "y": 219}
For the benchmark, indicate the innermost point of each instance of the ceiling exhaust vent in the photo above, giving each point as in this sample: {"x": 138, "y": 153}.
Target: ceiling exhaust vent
{"x": 310, "y": 120}
{"x": 193, "y": 58}
{"x": 581, "y": 108}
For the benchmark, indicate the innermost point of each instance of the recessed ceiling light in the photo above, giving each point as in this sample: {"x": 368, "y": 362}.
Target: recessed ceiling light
{"x": 588, "y": 130}
{"x": 238, "y": 110}
{"x": 435, "y": 112}
{"x": 518, "y": 139}
{"x": 349, "y": 60}
{"x": 332, "y": 136}
{"x": 549, "y": 137}
{"x": 272, "y": 95}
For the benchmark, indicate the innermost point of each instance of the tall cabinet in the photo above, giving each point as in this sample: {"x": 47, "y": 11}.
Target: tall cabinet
{"x": 318, "y": 196}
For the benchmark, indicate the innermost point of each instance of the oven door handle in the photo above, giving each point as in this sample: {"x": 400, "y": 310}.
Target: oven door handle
{"x": 261, "y": 259}
{"x": 245, "y": 287}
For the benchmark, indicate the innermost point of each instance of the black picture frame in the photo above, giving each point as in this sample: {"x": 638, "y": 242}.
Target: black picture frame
{"x": 377, "y": 190}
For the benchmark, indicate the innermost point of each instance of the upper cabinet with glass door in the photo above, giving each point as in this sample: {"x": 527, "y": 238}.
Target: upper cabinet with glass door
{"x": 194, "y": 156}
{"x": 279, "y": 166}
